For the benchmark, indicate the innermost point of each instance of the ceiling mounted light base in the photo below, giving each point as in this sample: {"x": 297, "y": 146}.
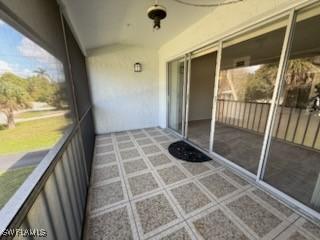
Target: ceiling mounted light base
{"x": 157, "y": 13}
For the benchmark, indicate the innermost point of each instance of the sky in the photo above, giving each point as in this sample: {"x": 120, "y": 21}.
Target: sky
{"x": 21, "y": 56}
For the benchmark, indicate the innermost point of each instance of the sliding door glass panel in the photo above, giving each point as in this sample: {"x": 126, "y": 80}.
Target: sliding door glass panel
{"x": 293, "y": 164}
{"x": 175, "y": 94}
{"x": 200, "y": 98}
{"x": 248, "y": 72}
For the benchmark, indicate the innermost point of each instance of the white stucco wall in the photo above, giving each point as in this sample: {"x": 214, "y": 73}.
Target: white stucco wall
{"x": 222, "y": 20}
{"x": 123, "y": 99}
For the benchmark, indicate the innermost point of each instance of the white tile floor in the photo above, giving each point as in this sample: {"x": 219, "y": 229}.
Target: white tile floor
{"x": 139, "y": 191}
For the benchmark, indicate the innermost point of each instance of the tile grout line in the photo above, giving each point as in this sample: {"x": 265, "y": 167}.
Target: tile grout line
{"x": 182, "y": 182}
{"x": 192, "y": 178}
{"x": 289, "y": 226}
{"x": 130, "y": 203}
{"x": 162, "y": 187}
{"x": 171, "y": 201}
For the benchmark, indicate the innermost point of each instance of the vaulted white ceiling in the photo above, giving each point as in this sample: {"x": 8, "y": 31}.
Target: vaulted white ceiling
{"x": 99, "y": 23}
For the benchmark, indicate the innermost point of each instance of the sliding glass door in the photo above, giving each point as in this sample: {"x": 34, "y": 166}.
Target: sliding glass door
{"x": 248, "y": 70}
{"x": 176, "y": 78}
{"x": 266, "y": 102}
{"x": 201, "y": 87}
{"x": 293, "y": 163}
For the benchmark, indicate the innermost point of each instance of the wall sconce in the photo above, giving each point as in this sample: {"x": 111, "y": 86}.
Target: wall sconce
{"x": 137, "y": 67}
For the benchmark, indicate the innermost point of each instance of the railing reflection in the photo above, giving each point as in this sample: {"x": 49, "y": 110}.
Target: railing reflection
{"x": 294, "y": 125}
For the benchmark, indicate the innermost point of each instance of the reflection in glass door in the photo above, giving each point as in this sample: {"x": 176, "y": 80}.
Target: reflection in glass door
{"x": 176, "y": 72}
{"x": 246, "y": 83}
{"x": 201, "y": 87}
{"x": 293, "y": 164}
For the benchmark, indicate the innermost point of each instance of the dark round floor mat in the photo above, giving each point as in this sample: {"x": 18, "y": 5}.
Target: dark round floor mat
{"x": 185, "y": 151}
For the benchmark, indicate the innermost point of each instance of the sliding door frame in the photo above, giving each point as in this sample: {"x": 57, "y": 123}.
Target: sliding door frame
{"x": 291, "y": 13}
{"x": 211, "y": 49}
{"x": 183, "y": 95}
{"x": 186, "y": 117}
{"x": 215, "y": 95}
{"x": 276, "y": 94}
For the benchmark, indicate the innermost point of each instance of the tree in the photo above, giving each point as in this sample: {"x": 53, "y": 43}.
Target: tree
{"x": 260, "y": 85}
{"x": 40, "y": 89}
{"x": 59, "y": 98}
{"x": 300, "y": 75}
{"x": 299, "y": 78}
{"x": 12, "y": 97}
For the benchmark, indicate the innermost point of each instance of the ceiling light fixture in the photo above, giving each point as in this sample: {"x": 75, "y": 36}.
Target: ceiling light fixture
{"x": 157, "y": 12}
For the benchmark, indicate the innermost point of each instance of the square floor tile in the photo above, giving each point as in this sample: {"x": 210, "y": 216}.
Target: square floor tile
{"x": 297, "y": 236}
{"x": 139, "y": 135}
{"x": 142, "y": 183}
{"x": 105, "y": 173}
{"x": 144, "y": 141}
{"x": 214, "y": 163}
{"x": 190, "y": 197}
{"x": 217, "y": 185}
{"x": 292, "y": 233}
{"x": 124, "y": 145}
{"x": 195, "y": 168}
{"x": 105, "y": 159}
{"x": 161, "y": 138}
{"x": 154, "y": 133}
{"x": 104, "y": 149}
{"x": 134, "y": 166}
{"x": 173, "y": 136}
{"x": 273, "y": 202}
{"x": 235, "y": 177}
{"x": 150, "y": 149}
{"x": 104, "y": 141}
{"x": 171, "y": 174}
{"x": 159, "y": 159}
{"x": 110, "y": 225}
{"x": 123, "y": 138}
{"x": 217, "y": 226}
{"x": 180, "y": 234}
{"x": 154, "y": 212}
{"x": 128, "y": 154}
{"x": 165, "y": 145}
{"x": 255, "y": 216}
{"x": 312, "y": 228}
{"x": 104, "y": 195}
{"x": 167, "y": 131}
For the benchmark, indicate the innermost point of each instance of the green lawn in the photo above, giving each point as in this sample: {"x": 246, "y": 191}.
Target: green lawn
{"x": 32, "y": 135}
{"x": 32, "y": 114}
{"x": 10, "y": 181}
